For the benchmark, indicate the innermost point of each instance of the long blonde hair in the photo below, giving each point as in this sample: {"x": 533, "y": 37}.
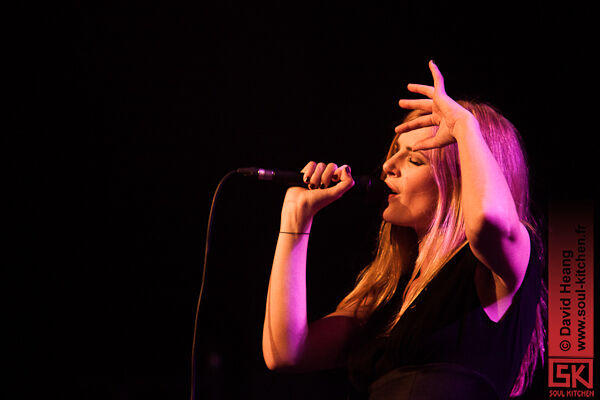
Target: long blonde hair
{"x": 399, "y": 254}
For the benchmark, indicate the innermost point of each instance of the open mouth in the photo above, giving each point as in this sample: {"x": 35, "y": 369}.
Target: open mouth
{"x": 389, "y": 190}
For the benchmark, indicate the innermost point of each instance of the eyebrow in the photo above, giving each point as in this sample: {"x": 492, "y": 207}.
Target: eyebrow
{"x": 410, "y": 150}
{"x": 418, "y": 152}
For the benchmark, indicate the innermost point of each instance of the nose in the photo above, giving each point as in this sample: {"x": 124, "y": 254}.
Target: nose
{"x": 390, "y": 168}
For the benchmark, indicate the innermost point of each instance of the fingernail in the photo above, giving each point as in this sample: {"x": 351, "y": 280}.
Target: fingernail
{"x": 306, "y": 180}
{"x": 312, "y": 186}
{"x": 322, "y": 186}
{"x": 348, "y": 170}
{"x": 335, "y": 178}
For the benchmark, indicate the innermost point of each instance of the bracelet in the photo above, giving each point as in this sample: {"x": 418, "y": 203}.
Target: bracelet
{"x": 296, "y": 233}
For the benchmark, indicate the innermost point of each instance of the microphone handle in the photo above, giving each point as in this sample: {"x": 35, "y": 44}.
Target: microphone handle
{"x": 295, "y": 178}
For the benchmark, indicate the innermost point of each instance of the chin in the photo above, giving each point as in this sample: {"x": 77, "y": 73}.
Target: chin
{"x": 385, "y": 215}
{"x": 388, "y": 216}
{"x": 398, "y": 219}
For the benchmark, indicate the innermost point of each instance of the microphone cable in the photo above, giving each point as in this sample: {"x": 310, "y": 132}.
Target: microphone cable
{"x": 203, "y": 280}
{"x": 365, "y": 181}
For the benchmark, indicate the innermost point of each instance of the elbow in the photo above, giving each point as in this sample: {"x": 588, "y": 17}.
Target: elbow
{"x": 279, "y": 364}
{"x": 283, "y": 344}
{"x": 279, "y": 359}
{"x": 276, "y": 365}
{"x": 271, "y": 363}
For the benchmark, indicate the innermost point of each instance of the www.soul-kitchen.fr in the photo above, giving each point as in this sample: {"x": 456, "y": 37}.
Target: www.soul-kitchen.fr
{"x": 573, "y": 280}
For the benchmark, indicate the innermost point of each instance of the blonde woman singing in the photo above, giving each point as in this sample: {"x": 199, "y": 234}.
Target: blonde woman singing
{"x": 452, "y": 305}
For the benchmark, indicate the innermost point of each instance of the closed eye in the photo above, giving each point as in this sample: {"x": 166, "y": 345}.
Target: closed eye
{"x": 415, "y": 161}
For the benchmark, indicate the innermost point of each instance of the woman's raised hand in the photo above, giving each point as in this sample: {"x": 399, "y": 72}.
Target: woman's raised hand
{"x": 325, "y": 184}
{"x": 443, "y": 112}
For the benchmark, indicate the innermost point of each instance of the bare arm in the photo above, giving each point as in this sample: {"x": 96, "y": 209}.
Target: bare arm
{"x": 289, "y": 341}
{"x": 493, "y": 229}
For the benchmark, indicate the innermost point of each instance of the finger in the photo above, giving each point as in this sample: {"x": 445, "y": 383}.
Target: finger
{"x": 346, "y": 180}
{"x": 438, "y": 79}
{"x": 327, "y": 177}
{"x": 431, "y": 143}
{"x": 344, "y": 172}
{"x": 335, "y": 177}
{"x": 421, "y": 89}
{"x": 308, "y": 170}
{"x": 421, "y": 104}
{"x": 315, "y": 179}
{"x": 419, "y": 122}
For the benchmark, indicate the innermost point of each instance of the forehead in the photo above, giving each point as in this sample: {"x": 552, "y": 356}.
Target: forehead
{"x": 407, "y": 139}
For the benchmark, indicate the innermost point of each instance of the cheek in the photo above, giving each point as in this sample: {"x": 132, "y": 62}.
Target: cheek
{"x": 421, "y": 188}
{"x": 422, "y": 203}
{"x": 412, "y": 206}
{"x": 429, "y": 193}
{"x": 422, "y": 197}
{"x": 430, "y": 200}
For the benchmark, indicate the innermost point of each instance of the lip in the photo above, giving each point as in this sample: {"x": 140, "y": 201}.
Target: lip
{"x": 393, "y": 191}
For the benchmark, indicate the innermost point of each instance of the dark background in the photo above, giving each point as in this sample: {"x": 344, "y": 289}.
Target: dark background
{"x": 132, "y": 111}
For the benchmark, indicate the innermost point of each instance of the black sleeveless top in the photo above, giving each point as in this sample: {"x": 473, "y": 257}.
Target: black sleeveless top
{"x": 445, "y": 346}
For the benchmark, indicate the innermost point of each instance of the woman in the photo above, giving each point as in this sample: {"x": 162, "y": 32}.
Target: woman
{"x": 452, "y": 304}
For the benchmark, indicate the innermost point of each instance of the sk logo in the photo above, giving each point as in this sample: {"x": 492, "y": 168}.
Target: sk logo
{"x": 567, "y": 373}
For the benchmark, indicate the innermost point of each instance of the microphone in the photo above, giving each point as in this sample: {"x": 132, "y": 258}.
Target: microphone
{"x": 374, "y": 188}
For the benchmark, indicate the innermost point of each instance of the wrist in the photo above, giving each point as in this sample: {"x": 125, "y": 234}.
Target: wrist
{"x": 291, "y": 221}
{"x": 466, "y": 125}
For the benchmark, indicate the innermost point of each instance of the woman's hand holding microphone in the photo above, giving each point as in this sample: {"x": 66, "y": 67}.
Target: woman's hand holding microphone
{"x": 326, "y": 183}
